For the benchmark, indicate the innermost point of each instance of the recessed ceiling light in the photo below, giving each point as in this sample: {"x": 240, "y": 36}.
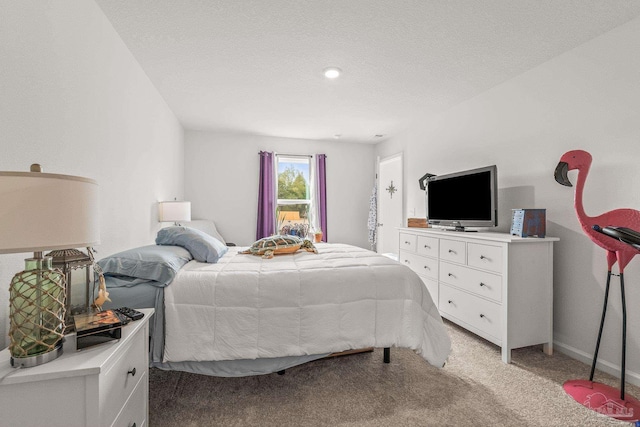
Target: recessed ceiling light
{"x": 332, "y": 72}
{"x": 337, "y": 136}
{"x": 379, "y": 135}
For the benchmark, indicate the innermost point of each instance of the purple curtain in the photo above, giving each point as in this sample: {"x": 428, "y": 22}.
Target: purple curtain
{"x": 322, "y": 193}
{"x": 266, "y": 197}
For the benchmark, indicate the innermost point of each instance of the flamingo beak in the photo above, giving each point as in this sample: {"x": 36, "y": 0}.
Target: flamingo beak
{"x": 561, "y": 174}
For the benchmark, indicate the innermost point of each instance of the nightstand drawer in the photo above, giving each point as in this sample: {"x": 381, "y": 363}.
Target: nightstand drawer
{"x": 408, "y": 242}
{"x": 485, "y": 257}
{"x": 135, "y": 410}
{"x": 424, "y": 266}
{"x": 121, "y": 378}
{"x": 453, "y": 250}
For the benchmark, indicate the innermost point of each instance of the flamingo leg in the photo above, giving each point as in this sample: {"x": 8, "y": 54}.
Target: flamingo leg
{"x": 624, "y": 336}
{"x": 604, "y": 314}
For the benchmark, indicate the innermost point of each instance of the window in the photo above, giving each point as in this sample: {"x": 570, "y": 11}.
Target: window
{"x": 294, "y": 206}
{"x": 292, "y": 195}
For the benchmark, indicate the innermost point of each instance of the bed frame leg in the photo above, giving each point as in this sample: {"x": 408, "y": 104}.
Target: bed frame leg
{"x": 387, "y": 355}
{"x": 281, "y": 372}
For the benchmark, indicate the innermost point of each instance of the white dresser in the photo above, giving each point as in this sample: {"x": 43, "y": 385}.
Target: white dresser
{"x": 103, "y": 385}
{"x": 497, "y": 286}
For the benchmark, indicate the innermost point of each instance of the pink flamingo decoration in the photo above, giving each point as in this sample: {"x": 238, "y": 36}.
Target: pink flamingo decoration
{"x": 617, "y": 251}
{"x": 630, "y": 218}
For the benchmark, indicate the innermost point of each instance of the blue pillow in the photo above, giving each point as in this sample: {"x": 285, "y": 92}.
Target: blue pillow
{"x": 159, "y": 263}
{"x": 203, "y": 247}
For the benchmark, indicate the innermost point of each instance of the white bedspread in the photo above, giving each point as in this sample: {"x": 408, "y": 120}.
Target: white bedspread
{"x": 344, "y": 297}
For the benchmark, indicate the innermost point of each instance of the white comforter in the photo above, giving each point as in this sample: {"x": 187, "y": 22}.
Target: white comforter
{"x": 344, "y": 297}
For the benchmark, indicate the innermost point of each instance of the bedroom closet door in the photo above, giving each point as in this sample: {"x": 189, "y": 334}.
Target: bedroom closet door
{"x": 390, "y": 196}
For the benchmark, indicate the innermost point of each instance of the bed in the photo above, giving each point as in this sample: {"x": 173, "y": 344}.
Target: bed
{"x": 245, "y": 315}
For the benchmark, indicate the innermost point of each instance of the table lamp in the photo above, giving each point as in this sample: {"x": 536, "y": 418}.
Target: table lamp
{"x": 174, "y": 211}
{"x": 42, "y": 211}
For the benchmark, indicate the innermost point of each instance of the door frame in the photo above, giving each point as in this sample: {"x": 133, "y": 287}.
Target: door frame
{"x": 380, "y": 189}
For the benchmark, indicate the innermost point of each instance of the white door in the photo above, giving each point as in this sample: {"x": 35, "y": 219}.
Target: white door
{"x": 389, "y": 203}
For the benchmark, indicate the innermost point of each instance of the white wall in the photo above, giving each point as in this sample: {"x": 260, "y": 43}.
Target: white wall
{"x": 588, "y": 98}
{"x": 75, "y": 100}
{"x": 221, "y": 181}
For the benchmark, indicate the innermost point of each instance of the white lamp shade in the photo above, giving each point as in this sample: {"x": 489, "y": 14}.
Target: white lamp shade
{"x": 174, "y": 211}
{"x": 44, "y": 211}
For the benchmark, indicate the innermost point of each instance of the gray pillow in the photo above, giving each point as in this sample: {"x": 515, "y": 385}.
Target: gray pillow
{"x": 159, "y": 263}
{"x": 203, "y": 247}
{"x": 206, "y": 226}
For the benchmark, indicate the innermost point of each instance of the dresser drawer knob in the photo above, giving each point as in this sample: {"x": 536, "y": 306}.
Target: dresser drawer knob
{"x": 482, "y": 315}
{"x": 451, "y": 251}
{"x": 482, "y": 284}
{"x": 449, "y": 301}
{"x": 427, "y": 267}
{"x": 132, "y": 372}
{"x": 483, "y": 257}
{"x": 133, "y": 425}
{"x": 406, "y": 243}
{"x": 406, "y": 261}
{"x": 450, "y": 275}
{"x": 427, "y": 247}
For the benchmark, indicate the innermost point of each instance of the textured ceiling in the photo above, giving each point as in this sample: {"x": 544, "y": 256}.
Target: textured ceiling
{"x": 255, "y": 66}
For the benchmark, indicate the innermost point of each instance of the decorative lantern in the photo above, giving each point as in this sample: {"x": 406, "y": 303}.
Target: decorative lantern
{"x": 76, "y": 267}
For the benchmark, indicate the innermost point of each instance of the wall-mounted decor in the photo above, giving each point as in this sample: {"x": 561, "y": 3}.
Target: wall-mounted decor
{"x": 391, "y": 189}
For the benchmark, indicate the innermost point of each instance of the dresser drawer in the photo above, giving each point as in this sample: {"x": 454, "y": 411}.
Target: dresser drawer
{"x": 432, "y": 287}
{"x": 408, "y": 242}
{"x": 477, "y": 312}
{"x": 477, "y": 282}
{"x": 427, "y": 246}
{"x": 485, "y": 256}
{"x": 453, "y": 250}
{"x": 135, "y": 410}
{"x": 424, "y": 266}
{"x": 117, "y": 383}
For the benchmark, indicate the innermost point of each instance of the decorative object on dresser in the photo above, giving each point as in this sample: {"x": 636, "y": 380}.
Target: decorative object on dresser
{"x": 423, "y": 182}
{"x": 174, "y": 211}
{"x": 42, "y": 211}
{"x": 497, "y": 286}
{"x": 105, "y": 385}
{"x": 620, "y": 224}
{"x": 417, "y": 222}
{"x": 529, "y": 222}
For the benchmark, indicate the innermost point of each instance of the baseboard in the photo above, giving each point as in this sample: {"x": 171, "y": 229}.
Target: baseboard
{"x": 608, "y": 367}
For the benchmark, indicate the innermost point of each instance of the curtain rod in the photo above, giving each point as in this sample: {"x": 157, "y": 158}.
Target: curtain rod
{"x": 294, "y": 155}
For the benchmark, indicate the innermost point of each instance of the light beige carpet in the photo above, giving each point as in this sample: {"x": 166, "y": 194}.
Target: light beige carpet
{"x": 474, "y": 389}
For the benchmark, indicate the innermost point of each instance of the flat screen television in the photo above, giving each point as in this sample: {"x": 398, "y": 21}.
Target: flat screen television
{"x": 463, "y": 199}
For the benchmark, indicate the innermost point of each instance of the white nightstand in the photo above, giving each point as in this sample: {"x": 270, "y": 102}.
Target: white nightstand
{"x": 104, "y": 385}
